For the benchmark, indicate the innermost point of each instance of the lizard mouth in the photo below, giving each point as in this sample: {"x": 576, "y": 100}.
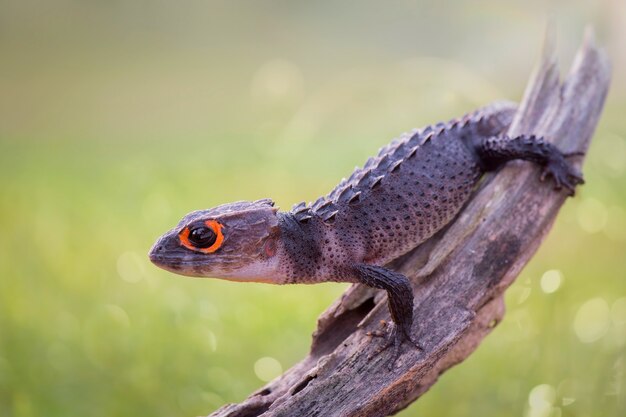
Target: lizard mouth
{"x": 167, "y": 262}
{"x": 178, "y": 265}
{"x": 168, "y": 257}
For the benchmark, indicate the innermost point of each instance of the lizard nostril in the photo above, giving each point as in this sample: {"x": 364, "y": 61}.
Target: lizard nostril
{"x": 155, "y": 252}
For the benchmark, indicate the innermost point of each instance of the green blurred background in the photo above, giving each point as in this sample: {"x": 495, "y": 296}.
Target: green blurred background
{"x": 118, "y": 117}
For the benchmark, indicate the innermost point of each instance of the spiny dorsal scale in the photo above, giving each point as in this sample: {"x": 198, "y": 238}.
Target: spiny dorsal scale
{"x": 301, "y": 211}
{"x": 399, "y": 152}
{"x": 302, "y": 217}
{"x": 339, "y": 186}
{"x": 365, "y": 179}
{"x": 395, "y": 166}
{"x": 323, "y": 212}
{"x": 324, "y": 205}
{"x": 318, "y": 203}
{"x": 345, "y": 194}
{"x": 414, "y": 139}
{"x": 411, "y": 153}
{"x": 377, "y": 181}
{"x": 389, "y": 147}
{"x": 383, "y": 163}
{"x": 330, "y": 216}
{"x": 337, "y": 191}
{"x": 355, "y": 198}
{"x": 301, "y": 206}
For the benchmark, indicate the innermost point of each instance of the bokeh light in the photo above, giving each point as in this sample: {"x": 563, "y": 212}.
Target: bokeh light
{"x": 267, "y": 368}
{"x": 541, "y": 401}
{"x": 592, "y": 320}
{"x": 551, "y": 280}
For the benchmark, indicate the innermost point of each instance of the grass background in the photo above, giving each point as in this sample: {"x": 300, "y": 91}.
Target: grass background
{"x": 117, "y": 118}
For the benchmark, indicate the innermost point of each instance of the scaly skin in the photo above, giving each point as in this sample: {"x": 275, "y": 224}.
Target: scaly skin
{"x": 400, "y": 198}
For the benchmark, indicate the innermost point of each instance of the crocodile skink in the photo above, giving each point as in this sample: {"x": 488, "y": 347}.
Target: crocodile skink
{"x": 400, "y": 198}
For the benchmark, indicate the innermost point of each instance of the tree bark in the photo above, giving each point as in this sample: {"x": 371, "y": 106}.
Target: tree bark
{"x": 459, "y": 276}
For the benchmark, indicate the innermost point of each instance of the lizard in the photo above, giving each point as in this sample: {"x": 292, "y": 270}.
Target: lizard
{"x": 401, "y": 197}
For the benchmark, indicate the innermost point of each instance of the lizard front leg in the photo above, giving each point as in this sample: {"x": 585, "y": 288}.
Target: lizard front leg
{"x": 400, "y": 302}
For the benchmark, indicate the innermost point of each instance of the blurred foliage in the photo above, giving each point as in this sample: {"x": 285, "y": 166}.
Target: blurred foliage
{"x": 117, "y": 118}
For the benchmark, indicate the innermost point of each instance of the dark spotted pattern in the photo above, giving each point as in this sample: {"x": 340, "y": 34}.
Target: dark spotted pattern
{"x": 301, "y": 242}
{"x": 401, "y": 197}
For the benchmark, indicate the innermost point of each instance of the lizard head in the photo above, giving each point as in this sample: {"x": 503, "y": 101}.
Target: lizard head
{"x": 235, "y": 241}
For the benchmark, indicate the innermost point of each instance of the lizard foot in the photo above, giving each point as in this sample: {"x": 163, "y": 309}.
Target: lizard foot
{"x": 400, "y": 301}
{"x": 564, "y": 174}
{"x": 395, "y": 338}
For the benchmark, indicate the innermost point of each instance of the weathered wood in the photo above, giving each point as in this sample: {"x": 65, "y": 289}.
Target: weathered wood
{"x": 459, "y": 276}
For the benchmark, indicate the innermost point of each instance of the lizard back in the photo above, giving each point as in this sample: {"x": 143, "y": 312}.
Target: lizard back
{"x": 408, "y": 191}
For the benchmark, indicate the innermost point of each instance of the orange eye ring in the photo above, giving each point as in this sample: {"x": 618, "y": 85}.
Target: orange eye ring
{"x": 215, "y": 226}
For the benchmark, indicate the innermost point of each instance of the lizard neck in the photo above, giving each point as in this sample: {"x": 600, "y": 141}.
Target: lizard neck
{"x": 301, "y": 247}
{"x": 312, "y": 251}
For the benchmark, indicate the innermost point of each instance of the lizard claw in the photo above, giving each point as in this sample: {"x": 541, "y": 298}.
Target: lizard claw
{"x": 378, "y": 333}
{"x": 563, "y": 173}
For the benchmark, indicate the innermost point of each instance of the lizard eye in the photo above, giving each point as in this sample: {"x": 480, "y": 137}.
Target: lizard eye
{"x": 204, "y": 237}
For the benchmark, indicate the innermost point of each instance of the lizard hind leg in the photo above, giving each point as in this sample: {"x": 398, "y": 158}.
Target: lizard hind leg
{"x": 495, "y": 151}
{"x": 400, "y": 301}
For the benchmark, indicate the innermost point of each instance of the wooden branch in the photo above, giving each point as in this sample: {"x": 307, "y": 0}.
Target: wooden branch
{"x": 459, "y": 276}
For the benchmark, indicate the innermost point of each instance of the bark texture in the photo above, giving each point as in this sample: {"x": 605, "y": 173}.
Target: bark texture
{"x": 459, "y": 276}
